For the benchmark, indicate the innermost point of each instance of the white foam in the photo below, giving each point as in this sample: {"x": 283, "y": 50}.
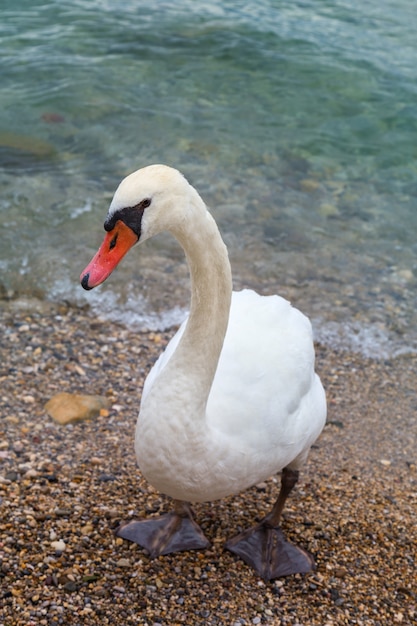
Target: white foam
{"x": 136, "y": 312}
{"x": 76, "y": 211}
{"x": 369, "y": 340}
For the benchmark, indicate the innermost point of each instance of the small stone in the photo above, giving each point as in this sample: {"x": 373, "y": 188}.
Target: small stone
{"x": 66, "y": 408}
{"x": 340, "y": 572}
{"x": 12, "y": 419}
{"x": 106, "y": 478}
{"x": 31, "y": 473}
{"x": 12, "y": 476}
{"x": 123, "y": 563}
{"x": 87, "y": 529}
{"x": 30, "y": 520}
{"x": 58, "y": 546}
{"x": 62, "y": 512}
{"x": 405, "y": 275}
{"x": 328, "y": 210}
{"x": 28, "y": 399}
{"x": 309, "y": 185}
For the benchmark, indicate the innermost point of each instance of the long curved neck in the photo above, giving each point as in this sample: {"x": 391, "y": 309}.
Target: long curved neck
{"x": 193, "y": 365}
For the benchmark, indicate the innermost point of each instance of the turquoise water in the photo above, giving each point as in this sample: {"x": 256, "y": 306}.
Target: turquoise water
{"x": 296, "y": 121}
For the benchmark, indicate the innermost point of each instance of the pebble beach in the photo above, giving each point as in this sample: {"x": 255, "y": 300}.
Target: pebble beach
{"x": 64, "y": 489}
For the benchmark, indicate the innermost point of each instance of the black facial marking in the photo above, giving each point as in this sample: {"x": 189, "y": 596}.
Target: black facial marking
{"x": 131, "y": 216}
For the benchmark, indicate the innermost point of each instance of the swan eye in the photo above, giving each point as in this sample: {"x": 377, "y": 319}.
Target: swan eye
{"x": 130, "y": 215}
{"x": 113, "y": 242}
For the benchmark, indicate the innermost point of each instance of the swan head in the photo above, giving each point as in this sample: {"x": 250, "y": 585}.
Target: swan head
{"x": 146, "y": 202}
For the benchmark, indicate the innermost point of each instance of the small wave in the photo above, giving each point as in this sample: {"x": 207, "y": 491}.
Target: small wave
{"x": 371, "y": 341}
{"x": 76, "y": 211}
{"x": 134, "y": 312}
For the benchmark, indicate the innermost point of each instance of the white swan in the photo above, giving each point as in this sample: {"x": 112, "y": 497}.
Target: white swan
{"x": 233, "y": 399}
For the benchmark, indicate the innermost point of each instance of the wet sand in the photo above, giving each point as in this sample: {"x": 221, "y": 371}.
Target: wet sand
{"x": 355, "y": 508}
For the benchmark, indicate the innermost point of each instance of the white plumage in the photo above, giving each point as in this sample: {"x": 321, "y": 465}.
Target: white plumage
{"x": 264, "y": 411}
{"x": 234, "y": 398}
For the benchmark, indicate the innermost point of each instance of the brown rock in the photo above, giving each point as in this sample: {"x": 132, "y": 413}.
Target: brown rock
{"x": 66, "y": 408}
{"x": 309, "y": 185}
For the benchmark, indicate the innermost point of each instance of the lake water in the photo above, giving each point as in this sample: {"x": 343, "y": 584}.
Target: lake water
{"x": 295, "y": 120}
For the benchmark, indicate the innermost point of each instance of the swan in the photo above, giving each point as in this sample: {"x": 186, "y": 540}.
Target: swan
{"x": 233, "y": 399}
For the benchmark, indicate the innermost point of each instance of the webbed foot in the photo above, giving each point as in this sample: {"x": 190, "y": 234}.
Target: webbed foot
{"x": 173, "y": 532}
{"x": 269, "y": 553}
{"x": 264, "y": 546}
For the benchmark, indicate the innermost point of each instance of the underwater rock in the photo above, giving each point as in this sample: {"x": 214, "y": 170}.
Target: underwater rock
{"x": 53, "y": 118}
{"x": 21, "y": 150}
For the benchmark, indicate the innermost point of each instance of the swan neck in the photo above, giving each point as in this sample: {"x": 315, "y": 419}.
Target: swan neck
{"x": 198, "y": 352}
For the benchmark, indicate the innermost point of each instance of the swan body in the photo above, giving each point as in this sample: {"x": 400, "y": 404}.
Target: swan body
{"x": 234, "y": 398}
{"x": 258, "y": 416}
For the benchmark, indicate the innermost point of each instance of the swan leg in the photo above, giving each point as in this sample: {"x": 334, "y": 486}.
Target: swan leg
{"x": 173, "y": 532}
{"x": 264, "y": 546}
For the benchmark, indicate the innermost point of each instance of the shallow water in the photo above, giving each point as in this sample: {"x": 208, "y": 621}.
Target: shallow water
{"x": 296, "y": 121}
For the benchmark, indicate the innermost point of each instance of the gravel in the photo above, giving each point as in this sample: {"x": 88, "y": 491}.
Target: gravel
{"x": 63, "y": 489}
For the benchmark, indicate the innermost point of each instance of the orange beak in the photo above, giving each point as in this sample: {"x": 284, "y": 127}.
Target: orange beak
{"x": 116, "y": 244}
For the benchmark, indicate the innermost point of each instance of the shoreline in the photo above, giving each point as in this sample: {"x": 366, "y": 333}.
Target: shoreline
{"x": 369, "y": 340}
{"x": 354, "y": 508}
